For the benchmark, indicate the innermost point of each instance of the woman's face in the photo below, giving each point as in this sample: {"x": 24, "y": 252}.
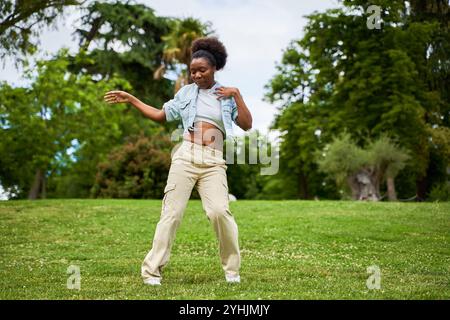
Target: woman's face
{"x": 202, "y": 73}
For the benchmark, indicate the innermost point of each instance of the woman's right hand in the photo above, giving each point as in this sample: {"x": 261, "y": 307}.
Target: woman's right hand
{"x": 113, "y": 97}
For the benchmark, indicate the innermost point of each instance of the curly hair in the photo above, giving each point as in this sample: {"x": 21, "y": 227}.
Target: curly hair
{"x": 211, "y": 49}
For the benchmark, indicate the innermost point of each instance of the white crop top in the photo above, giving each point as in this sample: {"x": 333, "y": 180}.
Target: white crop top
{"x": 209, "y": 108}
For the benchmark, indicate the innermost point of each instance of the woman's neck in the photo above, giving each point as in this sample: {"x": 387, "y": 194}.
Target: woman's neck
{"x": 211, "y": 85}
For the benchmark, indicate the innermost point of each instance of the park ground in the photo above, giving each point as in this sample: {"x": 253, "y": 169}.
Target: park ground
{"x": 290, "y": 250}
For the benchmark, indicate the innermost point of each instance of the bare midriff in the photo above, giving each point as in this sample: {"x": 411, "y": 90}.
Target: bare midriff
{"x": 205, "y": 134}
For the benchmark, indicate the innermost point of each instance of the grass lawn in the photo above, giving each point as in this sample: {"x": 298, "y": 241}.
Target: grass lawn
{"x": 290, "y": 250}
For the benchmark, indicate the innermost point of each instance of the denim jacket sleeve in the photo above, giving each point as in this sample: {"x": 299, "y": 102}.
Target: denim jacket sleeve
{"x": 171, "y": 108}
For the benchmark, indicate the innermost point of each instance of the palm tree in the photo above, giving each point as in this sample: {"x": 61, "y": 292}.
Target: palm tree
{"x": 177, "y": 51}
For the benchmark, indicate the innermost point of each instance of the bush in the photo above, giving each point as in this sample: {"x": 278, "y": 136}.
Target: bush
{"x": 440, "y": 192}
{"x": 138, "y": 169}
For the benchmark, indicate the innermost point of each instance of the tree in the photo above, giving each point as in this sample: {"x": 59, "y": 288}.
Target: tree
{"x": 245, "y": 178}
{"x": 434, "y": 68}
{"x": 363, "y": 170}
{"x": 40, "y": 123}
{"x": 345, "y": 76}
{"x": 177, "y": 48}
{"x": 129, "y": 40}
{"x": 119, "y": 39}
{"x": 21, "y": 21}
{"x": 345, "y": 162}
{"x": 124, "y": 39}
{"x": 388, "y": 159}
{"x": 300, "y": 123}
{"x": 138, "y": 169}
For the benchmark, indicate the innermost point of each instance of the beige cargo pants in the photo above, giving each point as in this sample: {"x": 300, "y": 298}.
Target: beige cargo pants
{"x": 194, "y": 164}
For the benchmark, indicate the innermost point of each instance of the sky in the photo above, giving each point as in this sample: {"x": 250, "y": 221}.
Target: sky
{"x": 255, "y": 33}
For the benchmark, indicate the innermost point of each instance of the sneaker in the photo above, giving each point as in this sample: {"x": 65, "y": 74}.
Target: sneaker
{"x": 153, "y": 281}
{"x": 233, "y": 279}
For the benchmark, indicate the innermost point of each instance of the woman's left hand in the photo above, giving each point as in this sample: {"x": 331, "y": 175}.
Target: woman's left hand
{"x": 226, "y": 92}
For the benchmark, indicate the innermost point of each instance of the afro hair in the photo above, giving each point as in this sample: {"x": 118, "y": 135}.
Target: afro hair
{"x": 215, "y": 53}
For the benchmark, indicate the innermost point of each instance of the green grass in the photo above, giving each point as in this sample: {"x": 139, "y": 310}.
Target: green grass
{"x": 290, "y": 250}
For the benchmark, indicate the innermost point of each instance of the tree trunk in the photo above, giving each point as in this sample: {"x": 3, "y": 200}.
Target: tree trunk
{"x": 303, "y": 186}
{"x": 363, "y": 186}
{"x": 354, "y": 186}
{"x": 36, "y": 188}
{"x": 44, "y": 188}
{"x": 421, "y": 189}
{"x": 392, "y": 195}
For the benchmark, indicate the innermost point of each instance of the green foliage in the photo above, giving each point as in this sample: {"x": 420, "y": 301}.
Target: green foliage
{"x": 440, "y": 192}
{"x": 245, "y": 180}
{"x": 179, "y": 40}
{"x": 125, "y": 39}
{"x": 56, "y": 132}
{"x": 41, "y": 122}
{"x": 387, "y": 156}
{"x": 439, "y": 145}
{"x": 137, "y": 169}
{"x": 129, "y": 40}
{"x": 277, "y": 187}
{"x": 343, "y": 160}
{"x": 22, "y": 21}
{"x": 342, "y": 76}
{"x": 177, "y": 48}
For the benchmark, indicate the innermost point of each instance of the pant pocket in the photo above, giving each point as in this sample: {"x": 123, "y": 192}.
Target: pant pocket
{"x": 226, "y": 192}
{"x": 169, "y": 187}
{"x": 225, "y": 184}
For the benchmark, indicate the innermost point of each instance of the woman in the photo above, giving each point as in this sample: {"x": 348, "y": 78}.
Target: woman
{"x": 206, "y": 110}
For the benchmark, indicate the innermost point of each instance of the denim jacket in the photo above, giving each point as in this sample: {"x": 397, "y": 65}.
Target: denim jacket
{"x": 183, "y": 106}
